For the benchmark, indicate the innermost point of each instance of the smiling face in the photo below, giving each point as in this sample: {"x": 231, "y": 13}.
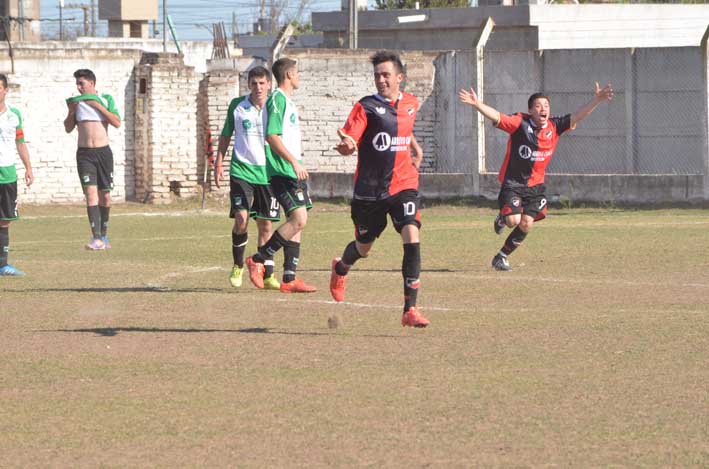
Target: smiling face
{"x": 387, "y": 79}
{"x": 539, "y": 111}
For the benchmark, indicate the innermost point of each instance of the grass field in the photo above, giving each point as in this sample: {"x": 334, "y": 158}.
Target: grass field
{"x": 593, "y": 352}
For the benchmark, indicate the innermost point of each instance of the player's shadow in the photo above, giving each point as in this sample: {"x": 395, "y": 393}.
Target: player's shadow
{"x": 114, "y": 331}
{"x": 146, "y": 289}
{"x": 423, "y": 271}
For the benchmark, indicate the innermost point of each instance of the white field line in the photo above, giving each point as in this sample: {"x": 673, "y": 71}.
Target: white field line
{"x": 356, "y": 305}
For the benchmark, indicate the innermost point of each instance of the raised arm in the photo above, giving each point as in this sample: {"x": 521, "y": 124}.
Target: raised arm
{"x": 470, "y": 97}
{"x": 605, "y": 94}
{"x": 111, "y": 118}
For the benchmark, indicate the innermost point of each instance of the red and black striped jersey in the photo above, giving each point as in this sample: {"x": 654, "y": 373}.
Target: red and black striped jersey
{"x": 382, "y": 130}
{"x": 529, "y": 149}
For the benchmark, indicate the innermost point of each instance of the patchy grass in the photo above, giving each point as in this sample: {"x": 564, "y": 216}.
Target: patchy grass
{"x": 592, "y": 352}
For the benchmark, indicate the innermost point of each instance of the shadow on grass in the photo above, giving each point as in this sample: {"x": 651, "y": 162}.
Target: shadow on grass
{"x": 114, "y": 331}
{"x": 121, "y": 290}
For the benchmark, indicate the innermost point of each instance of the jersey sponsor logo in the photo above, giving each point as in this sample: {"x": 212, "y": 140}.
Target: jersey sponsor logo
{"x": 380, "y": 110}
{"x": 246, "y": 124}
{"x": 525, "y": 152}
{"x": 383, "y": 142}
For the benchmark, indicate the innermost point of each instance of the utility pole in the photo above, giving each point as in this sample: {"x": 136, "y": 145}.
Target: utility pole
{"x": 93, "y": 18}
{"x": 21, "y": 21}
{"x": 164, "y": 25}
{"x": 352, "y": 27}
{"x": 61, "y": 20}
{"x": 85, "y": 10}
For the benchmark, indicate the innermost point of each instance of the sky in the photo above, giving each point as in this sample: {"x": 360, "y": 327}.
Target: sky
{"x": 189, "y": 16}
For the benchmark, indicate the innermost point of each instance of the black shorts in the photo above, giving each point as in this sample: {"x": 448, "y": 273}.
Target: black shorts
{"x": 8, "y": 201}
{"x": 291, "y": 193}
{"x": 370, "y": 218}
{"x": 256, "y": 199}
{"x": 95, "y": 167}
{"x": 528, "y": 200}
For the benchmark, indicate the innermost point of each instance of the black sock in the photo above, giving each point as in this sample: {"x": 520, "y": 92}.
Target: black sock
{"x": 272, "y": 246}
{"x": 269, "y": 267}
{"x": 291, "y": 255}
{"x": 104, "y": 219}
{"x": 411, "y": 270}
{"x": 94, "y": 220}
{"x": 4, "y": 245}
{"x": 513, "y": 241}
{"x": 238, "y": 246}
{"x": 349, "y": 257}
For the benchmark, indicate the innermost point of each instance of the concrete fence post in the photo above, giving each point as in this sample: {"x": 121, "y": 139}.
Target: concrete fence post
{"x": 630, "y": 137}
{"x": 705, "y": 101}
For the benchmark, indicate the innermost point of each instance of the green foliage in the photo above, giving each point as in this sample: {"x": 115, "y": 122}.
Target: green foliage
{"x": 410, "y": 4}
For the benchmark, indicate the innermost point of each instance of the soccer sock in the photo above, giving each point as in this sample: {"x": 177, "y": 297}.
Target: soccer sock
{"x": 272, "y": 246}
{"x": 104, "y": 219}
{"x": 269, "y": 267}
{"x": 94, "y": 220}
{"x": 291, "y": 254}
{"x": 513, "y": 241}
{"x": 238, "y": 246}
{"x": 4, "y": 245}
{"x": 411, "y": 270}
{"x": 349, "y": 257}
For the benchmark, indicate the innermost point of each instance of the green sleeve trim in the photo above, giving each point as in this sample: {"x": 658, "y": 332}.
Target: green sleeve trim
{"x": 276, "y": 107}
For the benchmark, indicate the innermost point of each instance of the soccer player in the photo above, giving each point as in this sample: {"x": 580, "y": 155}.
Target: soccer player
{"x": 533, "y": 138}
{"x": 288, "y": 180}
{"x": 386, "y": 182}
{"x": 250, "y": 192}
{"x": 12, "y": 139}
{"x": 91, "y": 114}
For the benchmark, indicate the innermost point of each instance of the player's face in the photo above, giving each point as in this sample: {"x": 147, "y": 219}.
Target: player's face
{"x": 85, "y": 86}
{"x": 540, "y": 111}
{"x": 259, "y": 87}
{"x": 3, "y": 92}
{"x": 294, "y": 76}
{"x": 387, "y": 80}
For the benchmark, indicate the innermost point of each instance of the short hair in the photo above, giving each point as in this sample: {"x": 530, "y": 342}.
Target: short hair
{"x": 387, "y": 56}
{"x": 85, "y": 73}
{"x": 281, "y": 67}
{"x": 258, "y": 72}
{"x": 534, "y": 97}
{"x": 3, "y": 80}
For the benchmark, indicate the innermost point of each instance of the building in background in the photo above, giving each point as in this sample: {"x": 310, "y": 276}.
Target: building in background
{"x": 128, "y": 18}
{"x": 20, "y": 20}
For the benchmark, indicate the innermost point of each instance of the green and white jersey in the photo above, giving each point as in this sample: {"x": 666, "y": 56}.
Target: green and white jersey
{"x": 247, "y": 123}
{"x": 283, "y": 120}
{"x": 10, "y": 132}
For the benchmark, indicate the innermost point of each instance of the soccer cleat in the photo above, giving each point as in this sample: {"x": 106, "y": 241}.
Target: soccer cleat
{"x": 95, "y": 245}
{"x": 256, "y": 270}
{"x": 105, "y": 242}
{"x": 500, "y": 262}
{"x": 337, "y": 283}
{"x": 499, "y": 223}
{"x": 236, "y": 275}
{"x": 11, "y": 271}
{"x": 414, "y": 318}
{"x": 271, "y": 283}
{"x": 297, "y": 286}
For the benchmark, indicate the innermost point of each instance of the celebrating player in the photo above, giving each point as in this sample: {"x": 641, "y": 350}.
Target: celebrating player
{"x": 12, "y": 139}
{"x": 380, "y": 127}
{"x": 288, "y": 181}
{"x": 91, "y": 114}
{"x": 533, "y": 138}
{"x": 250, "y": 192}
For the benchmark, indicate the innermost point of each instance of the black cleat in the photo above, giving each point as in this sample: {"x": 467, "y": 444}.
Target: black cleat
{"x": 499, "y": 224}
{"x": 500, "y": 262}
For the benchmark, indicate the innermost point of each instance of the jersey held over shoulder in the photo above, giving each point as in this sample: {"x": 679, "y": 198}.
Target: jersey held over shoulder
{"x": 382, "y": 130}
{"x": 529, "y": 149}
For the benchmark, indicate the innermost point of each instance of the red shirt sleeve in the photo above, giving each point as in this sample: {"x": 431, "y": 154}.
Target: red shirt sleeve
{"x": 509, "y": 123}
{"x": 356, "y": 123}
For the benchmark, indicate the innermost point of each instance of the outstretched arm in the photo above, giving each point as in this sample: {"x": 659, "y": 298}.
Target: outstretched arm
{"x": 470, "y": 97}
{"x": 605, "y": 94}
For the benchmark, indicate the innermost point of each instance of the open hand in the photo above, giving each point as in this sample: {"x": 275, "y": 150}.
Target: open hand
{"x": 468, "y": 97}
{"x": 605, "y": 94}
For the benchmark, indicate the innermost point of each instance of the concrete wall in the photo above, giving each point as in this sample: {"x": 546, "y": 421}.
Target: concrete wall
{"x": 524, "y": 27}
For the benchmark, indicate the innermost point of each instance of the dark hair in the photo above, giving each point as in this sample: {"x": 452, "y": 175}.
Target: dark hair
{"x": 3, "y": 79}
{"x": 386, "y": 56}
{"x": 281, "y": 67}
{"x": 534, "y": 97}
{"x": 85, "y": 73}
{"x": 258, "y": 72}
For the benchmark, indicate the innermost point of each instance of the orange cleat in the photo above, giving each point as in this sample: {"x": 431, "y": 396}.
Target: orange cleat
{"x": 413, "y": 318}
{"x": 256, "y": 271}
{"x": 337, "y": 283}
{"x": 297, "y": 286}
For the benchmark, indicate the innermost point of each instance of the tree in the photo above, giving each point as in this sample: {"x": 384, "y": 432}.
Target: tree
{"x": 410, "y": 4}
